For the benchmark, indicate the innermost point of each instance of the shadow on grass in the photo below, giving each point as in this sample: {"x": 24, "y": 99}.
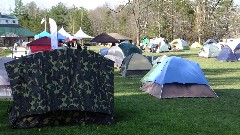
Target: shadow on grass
{"x": 220, "y": 71}
{"x": 185, "y": 55}
{"x": 128, "y": 108}
{"x": 148, "y": 114}
{"x": 225, "y": 81}
{"x": 228, "y": 93}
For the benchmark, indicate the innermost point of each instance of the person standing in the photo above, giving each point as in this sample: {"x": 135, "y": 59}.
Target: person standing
{"x": 79, "y": 46}
{"x": 15, "y": 47}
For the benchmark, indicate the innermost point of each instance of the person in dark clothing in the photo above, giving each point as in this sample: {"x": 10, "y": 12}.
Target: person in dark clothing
{"x": 79, "y": 46}
{"x": 69, "y": 44}
{"x": 113, "y": 44}
{"x": 169, "y": 46}
{"x": 85, "y": 47}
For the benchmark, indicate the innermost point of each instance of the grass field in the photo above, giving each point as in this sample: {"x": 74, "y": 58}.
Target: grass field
{"x": 138, "y": 113}
{"x": 4, "y": 52}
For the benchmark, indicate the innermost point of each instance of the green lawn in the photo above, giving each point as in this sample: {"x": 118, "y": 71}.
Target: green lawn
{"x": 4, "y": 52}
{"x": 138, "y": 113}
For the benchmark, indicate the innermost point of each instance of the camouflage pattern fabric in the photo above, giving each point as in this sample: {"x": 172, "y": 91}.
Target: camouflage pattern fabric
{"x": 61, "y": 87}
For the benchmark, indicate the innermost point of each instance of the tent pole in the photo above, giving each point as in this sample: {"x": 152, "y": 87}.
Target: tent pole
{"x": 45, "y": 23}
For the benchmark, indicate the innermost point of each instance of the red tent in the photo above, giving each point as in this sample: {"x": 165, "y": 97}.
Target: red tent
{"x": 41, "y": 44}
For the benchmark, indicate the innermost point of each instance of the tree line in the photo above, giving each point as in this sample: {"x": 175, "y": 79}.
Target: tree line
{"x": 191, "y": 20}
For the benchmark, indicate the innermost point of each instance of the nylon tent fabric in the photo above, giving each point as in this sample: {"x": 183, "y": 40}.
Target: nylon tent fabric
{"x": 117, "y": 60}
{"x": 185, "y": 71}
{"x": 157, "y": 68}
{"x": 42, "y": 34}
{"x": 237, "y": 54}
{"x": 180, "y": 44}
{"x": 235, "y": 46}
{"x": 150, "y": 58}
{"x": 104, "y": 38}
{"x": 103, "y": 51}
{"x": 145, "y": 41}
{"x": 177, "y": 90}
{"x": 63, "y": 32}
{"x": 209, "y": 50}
{"x": 115, "y": 54}
{"x": 80, "y": 34}
{"x": 135, "y": 65}
{"x": 226, "y": 55}
{"x": 80, "y": 91}
{"x": 145, "y": 78}
{"x": 196, "y": 45}
{"x": 119, "y": 37}
{"x": 41, "y": 44}
{"x": 128, "y": 48}
{"x": 116, "y": 51}
{"x": 5, "y": 90}
{"x": 210, "y": 41}
{"x": 61, "y": 37}
{"x": 176, "y": 77}
{"x": 163, "y": 48}
{"x": 159, "y": 60}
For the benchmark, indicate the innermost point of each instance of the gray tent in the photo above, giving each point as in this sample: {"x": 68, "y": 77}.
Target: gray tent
{"x": 135, "y": 65}
{"x": 5, "y": 90}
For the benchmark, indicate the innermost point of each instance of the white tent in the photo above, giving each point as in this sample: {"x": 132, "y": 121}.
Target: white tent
{"x": 64, "y": 33}
{"x": 209, "y": 50}
{"x": 117, "y": 60}
{"x": 196, "y": 45}
{"x": 180, "y": 44}
{"x": 163, "y": 48}
{"x": 81, "y": 34}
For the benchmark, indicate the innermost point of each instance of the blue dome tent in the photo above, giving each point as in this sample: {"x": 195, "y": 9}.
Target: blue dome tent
{"x": 176, "y": 77}
{"x": 226, "y": 55}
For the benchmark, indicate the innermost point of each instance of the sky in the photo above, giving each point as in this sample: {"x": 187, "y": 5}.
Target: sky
{"x": 5, "y": 5}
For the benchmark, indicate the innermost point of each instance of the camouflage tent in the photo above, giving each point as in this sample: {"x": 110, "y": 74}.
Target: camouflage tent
{"x": 61, "y": 87}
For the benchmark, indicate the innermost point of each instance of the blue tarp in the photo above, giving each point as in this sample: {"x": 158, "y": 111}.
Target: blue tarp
{"x": 226, "y": 54}
{"x": 177, "y": 70}
{"x": 61, "y": 37}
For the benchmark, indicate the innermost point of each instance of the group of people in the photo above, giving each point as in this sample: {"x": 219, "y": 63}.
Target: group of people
{"x": 153, "y": 44}
{"x": 74, "y": 43}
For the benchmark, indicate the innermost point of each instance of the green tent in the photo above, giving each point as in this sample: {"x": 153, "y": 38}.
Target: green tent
{"x": 145, "y": 41}
{"x": 61, "y": 87}
{"x": 129, "y": 48}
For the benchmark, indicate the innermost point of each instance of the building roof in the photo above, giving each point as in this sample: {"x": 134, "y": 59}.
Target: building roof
{"x": 119, "y": 36}
{"x": 16, "y": 30}
{"x": 8, "y": 16}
